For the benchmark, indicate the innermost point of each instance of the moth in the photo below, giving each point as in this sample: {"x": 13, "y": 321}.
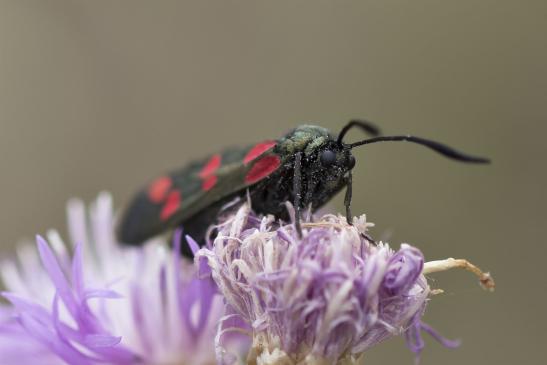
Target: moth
{"x": 307, "y": 166}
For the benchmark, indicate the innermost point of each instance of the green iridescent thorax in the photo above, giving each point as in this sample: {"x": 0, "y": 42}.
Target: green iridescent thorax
{"x": 305, "y": 138}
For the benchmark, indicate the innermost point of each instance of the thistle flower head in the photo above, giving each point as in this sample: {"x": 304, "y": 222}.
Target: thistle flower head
{"x": 323, "y": 298}
{"x": 104, "y": 303}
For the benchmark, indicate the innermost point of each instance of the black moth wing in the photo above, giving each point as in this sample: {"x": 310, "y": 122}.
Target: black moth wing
{"x": 186, "y": 192}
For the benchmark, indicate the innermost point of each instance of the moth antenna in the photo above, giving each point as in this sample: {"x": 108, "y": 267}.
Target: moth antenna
{"x": 443, "y": 149}
{"x": 364, "y": 125}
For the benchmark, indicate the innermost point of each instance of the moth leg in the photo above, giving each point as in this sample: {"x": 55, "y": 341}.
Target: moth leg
{"x": 347, "y": 198}
{"x": 297, "y": 189}
{"x": 347, "y": 203}
{"x": 368, "y": 238}
{"x": 308, "y": 200}
{"x": 309, "y": 213}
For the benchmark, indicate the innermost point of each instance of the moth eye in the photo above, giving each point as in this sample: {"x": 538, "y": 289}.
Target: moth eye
{"x": 327, "y": 158}
{"x": 351, "y": 162}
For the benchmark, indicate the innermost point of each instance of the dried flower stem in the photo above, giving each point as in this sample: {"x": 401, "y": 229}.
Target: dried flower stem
{"x": 486, "y": 281}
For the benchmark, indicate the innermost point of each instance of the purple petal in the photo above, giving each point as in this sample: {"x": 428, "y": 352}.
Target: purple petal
{"x": 101, "y": 293}
{"x": 96, "y": 340}
{"x": 403, "y": 269}
{"x": 41, "y": 333}
{"x": 77, "y": 271}
{"x": 193, "y": 244}
{"x": 452, "y": 344}
{"x": 56, "y": 275}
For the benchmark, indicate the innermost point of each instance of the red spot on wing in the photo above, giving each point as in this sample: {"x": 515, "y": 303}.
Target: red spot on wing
{"x": 262, "y": 168}
{"x": 211, "y": 166}
{"x": 257, "y": 150}
{"x": 172, "y": 204}
{"x": 157, "y": 191}
{"x": 207, "y": 173}
{"x": 209, "y": 182}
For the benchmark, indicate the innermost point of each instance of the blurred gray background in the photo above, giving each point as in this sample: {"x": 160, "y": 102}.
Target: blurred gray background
{"x": 105, "y": 95}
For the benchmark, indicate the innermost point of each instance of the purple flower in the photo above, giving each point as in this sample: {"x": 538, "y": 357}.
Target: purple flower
{"x": 324, "y": 298}
{"x": 104, "y": 303}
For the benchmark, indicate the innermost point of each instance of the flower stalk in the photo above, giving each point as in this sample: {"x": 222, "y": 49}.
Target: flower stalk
{"x": 485, "y": 279}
